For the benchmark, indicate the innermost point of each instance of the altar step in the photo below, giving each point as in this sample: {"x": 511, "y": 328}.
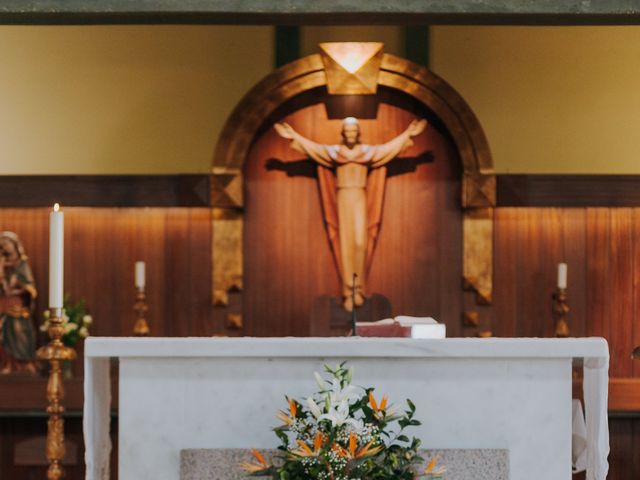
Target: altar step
{"x": 223, "y": 464}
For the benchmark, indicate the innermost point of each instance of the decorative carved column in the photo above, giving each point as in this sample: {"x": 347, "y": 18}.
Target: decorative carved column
{"x": 478, "y": 202}
{"x": 55, "y": 352}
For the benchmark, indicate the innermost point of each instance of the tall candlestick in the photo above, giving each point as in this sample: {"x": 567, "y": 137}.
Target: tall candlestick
{"x": 562, "y": 276}
{"x": 56, "y": 257}
{"x": 140, "y": 275}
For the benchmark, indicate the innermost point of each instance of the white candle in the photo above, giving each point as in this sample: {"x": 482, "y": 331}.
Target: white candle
{"x": 562, "y": 275}
{"x": 140, "y": 275}
{"x": 56, "y": 257}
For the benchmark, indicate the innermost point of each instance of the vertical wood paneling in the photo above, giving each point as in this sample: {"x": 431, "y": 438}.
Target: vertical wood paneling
{"x": 177, "y": 281}
{"x": 449, "y": 230}
{"x": 505, "y": 270}
{"x": 574, "y": 249}
{"x": 551, "y": 226}
{"x": 636, "y": 290}
{"x": 532, "y": 311}
{"x": 598, "y": 284}
{"x": 200, "y": 248}
{"x": 620, "y": 293}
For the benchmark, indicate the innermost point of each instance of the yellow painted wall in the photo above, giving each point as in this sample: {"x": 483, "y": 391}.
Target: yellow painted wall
{"x": 122, "y": 99}
{"x": 551, "y": 99}
{"x": 152, "y": 99}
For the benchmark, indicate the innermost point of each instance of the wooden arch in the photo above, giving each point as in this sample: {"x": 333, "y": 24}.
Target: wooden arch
{"x": 395, "y": 72}
{"x": 478, "y": 183}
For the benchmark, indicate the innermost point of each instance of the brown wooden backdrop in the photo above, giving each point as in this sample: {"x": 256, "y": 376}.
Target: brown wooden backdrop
{"x": 288, "y": 262}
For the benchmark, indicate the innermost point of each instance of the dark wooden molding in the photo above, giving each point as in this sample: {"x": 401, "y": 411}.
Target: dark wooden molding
{"x": 301, "y": 12}
{"x": 287, "y": 45}
{"x": 105, "y": 190}
{"x": 416, "y": 44}
{"x": 568, "y": 190}
{"x": 195, "y": 190}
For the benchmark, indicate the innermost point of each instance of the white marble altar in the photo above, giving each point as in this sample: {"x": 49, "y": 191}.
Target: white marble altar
{"x": 187, "y": 393}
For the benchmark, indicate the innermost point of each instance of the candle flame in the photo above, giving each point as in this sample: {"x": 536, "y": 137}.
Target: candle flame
{"x": 56, "y": 207}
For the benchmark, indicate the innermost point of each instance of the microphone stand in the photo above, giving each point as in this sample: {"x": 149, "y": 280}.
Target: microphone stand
{"x": 353, "y": 309}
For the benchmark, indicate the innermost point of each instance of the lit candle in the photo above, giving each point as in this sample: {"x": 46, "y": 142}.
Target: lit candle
{"x": 140, "y": 275}
{"x": 56, "y": 257}
{"x": 562, "y": 275}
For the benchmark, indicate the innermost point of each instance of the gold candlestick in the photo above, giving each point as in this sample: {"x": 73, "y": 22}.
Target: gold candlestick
{"x": 55, "y": 352}
{"x": 141, "y": 327}
{"x": 560, "y": 312}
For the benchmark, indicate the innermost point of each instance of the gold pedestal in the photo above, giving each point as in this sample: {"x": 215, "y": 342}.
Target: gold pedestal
{"x": 560, "y": 312}
{"x": 55, "y": 352}
{"x": 141, "y": 327}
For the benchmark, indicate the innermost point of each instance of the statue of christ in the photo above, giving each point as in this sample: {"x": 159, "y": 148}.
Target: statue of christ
{"x": 352, "y": 196}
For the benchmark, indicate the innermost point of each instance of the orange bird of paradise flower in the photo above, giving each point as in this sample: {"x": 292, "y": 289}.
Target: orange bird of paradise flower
{"x": 304, "y": 450}
{"x": 430, "y": 470}
{"x": 288, "y": 418}
{"x": 255, "y": 467}
{"x": 352, "y": 452}
{"x": 378, "y": 409}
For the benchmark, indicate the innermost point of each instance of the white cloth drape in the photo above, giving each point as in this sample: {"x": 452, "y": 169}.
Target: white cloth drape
{"x": 596, "y": 395}
{"x": 578, "y": 438}
{"x": 95, "y": 422}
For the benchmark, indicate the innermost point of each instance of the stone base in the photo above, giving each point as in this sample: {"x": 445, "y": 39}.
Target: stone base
{"x": 223, "y": 464}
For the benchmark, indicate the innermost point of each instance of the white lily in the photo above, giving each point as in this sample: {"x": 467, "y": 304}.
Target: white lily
{"x": 320, "y": 381}
{"x": 339, "y": 416}
{"x": 313, "y": 407}
{"x": 347, "y": 394}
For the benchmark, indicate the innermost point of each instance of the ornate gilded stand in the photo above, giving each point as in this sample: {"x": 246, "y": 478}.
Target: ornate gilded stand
{"x": 141, "y": 327}
{"x": 55, "y": 352}
{"x": 560, "y": 312}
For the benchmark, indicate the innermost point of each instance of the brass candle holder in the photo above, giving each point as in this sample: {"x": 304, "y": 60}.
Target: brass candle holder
{"x": 560, "y": 312}
{"x": 141, "y": 327}
{"x": 55, "y": 352}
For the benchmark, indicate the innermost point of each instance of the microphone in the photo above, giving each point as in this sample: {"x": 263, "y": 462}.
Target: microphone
{"x": 353, "y": 308}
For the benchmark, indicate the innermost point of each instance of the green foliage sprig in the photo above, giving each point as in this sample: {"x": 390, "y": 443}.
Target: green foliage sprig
{"x": 75, "y": 320}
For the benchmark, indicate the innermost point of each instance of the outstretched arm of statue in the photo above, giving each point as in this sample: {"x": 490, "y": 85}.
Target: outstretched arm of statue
{"x": 315, "y": 151}
{"x": 388, "y": 151}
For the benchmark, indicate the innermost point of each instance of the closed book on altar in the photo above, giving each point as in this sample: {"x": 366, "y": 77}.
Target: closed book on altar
{"x": 402, "y": 326}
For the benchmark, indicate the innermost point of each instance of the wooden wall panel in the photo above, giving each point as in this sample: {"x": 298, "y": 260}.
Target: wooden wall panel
{"x": 636, "y": 288}
{"x": 505, "y": 270}
{"x": 620, "y": 293}
{"x": 602, "y": 249}
{"x": 101, "y": 247}
{"x": 574, "y": 247}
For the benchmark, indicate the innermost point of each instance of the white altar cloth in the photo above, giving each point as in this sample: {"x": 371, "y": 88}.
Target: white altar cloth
{"x": 179, "y": 393}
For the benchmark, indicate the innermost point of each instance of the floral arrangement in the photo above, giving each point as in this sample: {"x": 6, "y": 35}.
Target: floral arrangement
{"x": 75, "y": 320}
{"x": 343, "y": 432}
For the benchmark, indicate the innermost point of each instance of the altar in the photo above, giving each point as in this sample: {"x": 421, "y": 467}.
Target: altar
{"x": 186, "y": 393}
